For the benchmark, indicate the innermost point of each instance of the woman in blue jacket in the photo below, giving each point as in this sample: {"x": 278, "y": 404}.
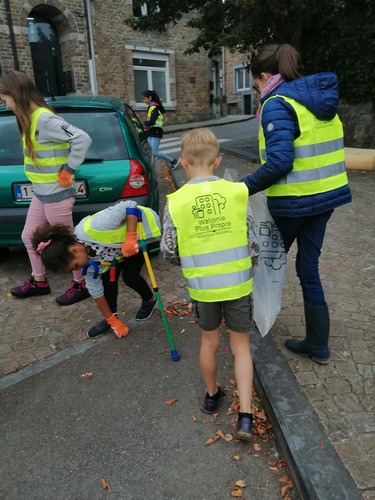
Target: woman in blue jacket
{"x": 302, "y": 171}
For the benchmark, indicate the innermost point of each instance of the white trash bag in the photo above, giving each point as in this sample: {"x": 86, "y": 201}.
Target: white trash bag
{"x": 270, "y": 274}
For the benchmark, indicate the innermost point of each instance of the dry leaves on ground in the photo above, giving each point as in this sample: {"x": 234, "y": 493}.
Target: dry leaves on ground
{"x": 179, "y": 308}
{"x": 170, "y": 402}
{"x": 105, "y": 485}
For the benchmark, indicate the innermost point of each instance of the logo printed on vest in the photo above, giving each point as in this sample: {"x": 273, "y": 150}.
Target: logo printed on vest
{"x": 208, "y": 213}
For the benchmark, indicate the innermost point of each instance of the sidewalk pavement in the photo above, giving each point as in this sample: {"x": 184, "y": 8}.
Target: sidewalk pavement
{"x": 323, "y": 415}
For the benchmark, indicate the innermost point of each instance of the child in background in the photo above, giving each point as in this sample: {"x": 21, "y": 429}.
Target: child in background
{"x": 154, "y": 125}
{"x": 53, "y": 150}
{"x": 207, "y": 224}
{"x": 104, "y": 237}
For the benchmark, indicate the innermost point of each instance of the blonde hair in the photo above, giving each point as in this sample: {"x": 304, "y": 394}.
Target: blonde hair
{"x": 199, "y": 147}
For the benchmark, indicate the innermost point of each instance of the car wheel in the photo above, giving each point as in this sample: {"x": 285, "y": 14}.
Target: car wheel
{"x": 4, "y": 253}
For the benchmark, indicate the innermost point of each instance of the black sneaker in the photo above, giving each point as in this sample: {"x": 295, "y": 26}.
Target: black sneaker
{"x": 211, "y": 405}
{"x": 98, "y": 329}
{"x": 31, "y": 288}
{"x": 245, "y": 429}
{"x": 75, "y": 293}
{"x": 146, "y": 309}
{"x": 175, "y": 163}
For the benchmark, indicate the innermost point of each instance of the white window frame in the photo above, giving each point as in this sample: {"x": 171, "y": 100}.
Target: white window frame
{"x": 236, "y": 72}
{"x": 156, "y": 57}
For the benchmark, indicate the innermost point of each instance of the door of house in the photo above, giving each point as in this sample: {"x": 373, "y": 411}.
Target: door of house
{"x": 46, "y": 57}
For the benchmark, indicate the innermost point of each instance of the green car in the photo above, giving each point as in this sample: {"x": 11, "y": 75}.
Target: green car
{"x": 119, "y": 164}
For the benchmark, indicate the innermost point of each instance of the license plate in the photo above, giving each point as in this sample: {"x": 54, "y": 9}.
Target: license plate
{"x": 23, "y": 191}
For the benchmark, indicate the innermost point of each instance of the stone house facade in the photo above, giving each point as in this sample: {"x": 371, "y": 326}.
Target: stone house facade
{"x": 83, "y": 47}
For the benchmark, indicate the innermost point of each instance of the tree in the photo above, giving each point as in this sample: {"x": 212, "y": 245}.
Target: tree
{"x": 331, "y": 35}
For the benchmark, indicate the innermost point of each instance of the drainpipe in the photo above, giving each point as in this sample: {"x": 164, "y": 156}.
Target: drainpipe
{"x": 92, "y": 66}
{"x": 11, "y": 35}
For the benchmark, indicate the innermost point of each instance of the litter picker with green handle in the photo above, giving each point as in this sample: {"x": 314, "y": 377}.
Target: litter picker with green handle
{"x": 143, "y": 245}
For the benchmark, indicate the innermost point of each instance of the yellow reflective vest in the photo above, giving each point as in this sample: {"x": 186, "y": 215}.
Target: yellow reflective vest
{"x": 319, "y": 158}
{"x": 160, "y": 119}
{"x": 150, "y": 229}
{"x": 49, "y": 159}
{"x": 210, "y": 219}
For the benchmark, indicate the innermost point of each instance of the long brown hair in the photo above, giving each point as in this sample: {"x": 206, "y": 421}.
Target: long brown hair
{"x": 23, "y": 91}
{"x": 277, "y": 58}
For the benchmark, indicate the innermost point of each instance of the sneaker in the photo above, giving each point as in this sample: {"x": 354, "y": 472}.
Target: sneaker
{"x": 245, "y": 429}
{"x": 211, "y": 405}
{"x": 175, "y": 163}
{"x": 146, "y": 309}
{"x": 75, "y": 293}
{"x": 98, "y": 329}
{"x": 31, "y": 288}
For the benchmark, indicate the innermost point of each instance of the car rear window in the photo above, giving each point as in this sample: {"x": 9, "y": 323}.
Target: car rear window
{"x": 104, "y": 129}
{"x": 10, "y": 141}
{"x": 102, "y": 126}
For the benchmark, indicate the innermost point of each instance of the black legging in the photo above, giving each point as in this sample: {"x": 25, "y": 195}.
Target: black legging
{"x": 130, "y": 269}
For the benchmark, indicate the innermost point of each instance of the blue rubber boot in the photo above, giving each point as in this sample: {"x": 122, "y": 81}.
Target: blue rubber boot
{"x": 315, "y": 345}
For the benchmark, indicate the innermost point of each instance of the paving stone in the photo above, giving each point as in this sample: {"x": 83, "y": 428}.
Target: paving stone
{"x": 363, "y": 357}
{"x": 366, "y": 371}
{"x": 361, "y": 422}
{"x": 349, "y": 451}
{"x": 348, "y": 403}
{"x": 336, "y": 385}
{"x": 307, "y": 378}
{"x": 367, "y": 441}
{"x": 362, "y": 472}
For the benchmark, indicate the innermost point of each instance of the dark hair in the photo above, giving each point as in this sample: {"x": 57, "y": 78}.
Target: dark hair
{"x": 57, "y": 239}
{"x": 276, "y": 58}
{"x": 154, "y": 96}
{"x": 23, "y": 91}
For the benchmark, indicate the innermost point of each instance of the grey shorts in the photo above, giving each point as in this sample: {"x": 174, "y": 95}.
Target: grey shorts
{"x": 238, "y": 314}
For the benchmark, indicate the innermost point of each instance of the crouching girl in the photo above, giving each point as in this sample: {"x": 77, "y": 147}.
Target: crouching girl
{"x": 105, "y": 246}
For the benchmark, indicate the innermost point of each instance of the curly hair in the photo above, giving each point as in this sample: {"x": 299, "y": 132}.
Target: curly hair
{"x": 56, "y": 239}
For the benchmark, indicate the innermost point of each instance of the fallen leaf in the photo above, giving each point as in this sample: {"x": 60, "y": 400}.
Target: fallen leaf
{"x": 212, "y": 440}
{"x": 233, "y": 382}
{"x": 216, "y": 414}
{"x": 220, "y": 434}
{"x": 237, "y": 492}
{"x": 284, "y": 490}
{"x": 274, "y": 468}
{"x": 228, "y": 437}
{"x": 116, "y": 353}
{"x": 170, "y": 402}
{"x": 183, "y": 330}
{"x": 205, "y": 420}
{"x": 257, "y": 447}
{"x": 241, "y": 483}
{"x": 236, "y": 457}
{"x": 194, "y": 419}
{"x": 105, "y": 485}
{"x": 321, "y": 446}
{"x": 284, "y": 479}
{"x": 87, "y": 375}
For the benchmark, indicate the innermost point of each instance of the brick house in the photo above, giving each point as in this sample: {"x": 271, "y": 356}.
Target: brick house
{"x": 84, "y": 47}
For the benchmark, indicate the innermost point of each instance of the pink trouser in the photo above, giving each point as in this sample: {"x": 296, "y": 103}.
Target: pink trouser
{"x": 40, "y": 213}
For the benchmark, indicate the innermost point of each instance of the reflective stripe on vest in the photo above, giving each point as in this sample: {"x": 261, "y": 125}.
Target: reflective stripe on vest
{"x": 150, "y": 229}
{"x": 319, "y": 158}
{"x": 50, "y": 158}
{"x": 160, "y": 119}
{"x": 210, "y": 219}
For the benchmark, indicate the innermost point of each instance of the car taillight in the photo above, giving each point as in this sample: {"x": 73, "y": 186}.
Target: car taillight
{"x": 137, "y": 183}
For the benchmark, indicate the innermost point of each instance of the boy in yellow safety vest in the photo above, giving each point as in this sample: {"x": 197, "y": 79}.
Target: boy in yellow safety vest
{"x": 207, "y": 224}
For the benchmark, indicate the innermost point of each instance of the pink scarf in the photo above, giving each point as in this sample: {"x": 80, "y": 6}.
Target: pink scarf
{"x": 273, "y": 82}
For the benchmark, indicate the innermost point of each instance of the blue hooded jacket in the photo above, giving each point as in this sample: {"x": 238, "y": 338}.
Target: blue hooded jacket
{"x": 319, "y": 94}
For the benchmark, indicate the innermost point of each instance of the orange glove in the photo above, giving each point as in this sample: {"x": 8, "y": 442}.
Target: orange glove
{"x": 65, "y": 178}
{"x": 120, "y": 329}
{"x": 130, "y": 246}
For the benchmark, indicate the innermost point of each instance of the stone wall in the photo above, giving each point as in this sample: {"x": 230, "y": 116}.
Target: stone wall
{"x": 359, "y": 125}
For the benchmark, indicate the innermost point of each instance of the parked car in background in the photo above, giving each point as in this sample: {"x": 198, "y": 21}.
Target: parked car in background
{"x": 119, "y": 164}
